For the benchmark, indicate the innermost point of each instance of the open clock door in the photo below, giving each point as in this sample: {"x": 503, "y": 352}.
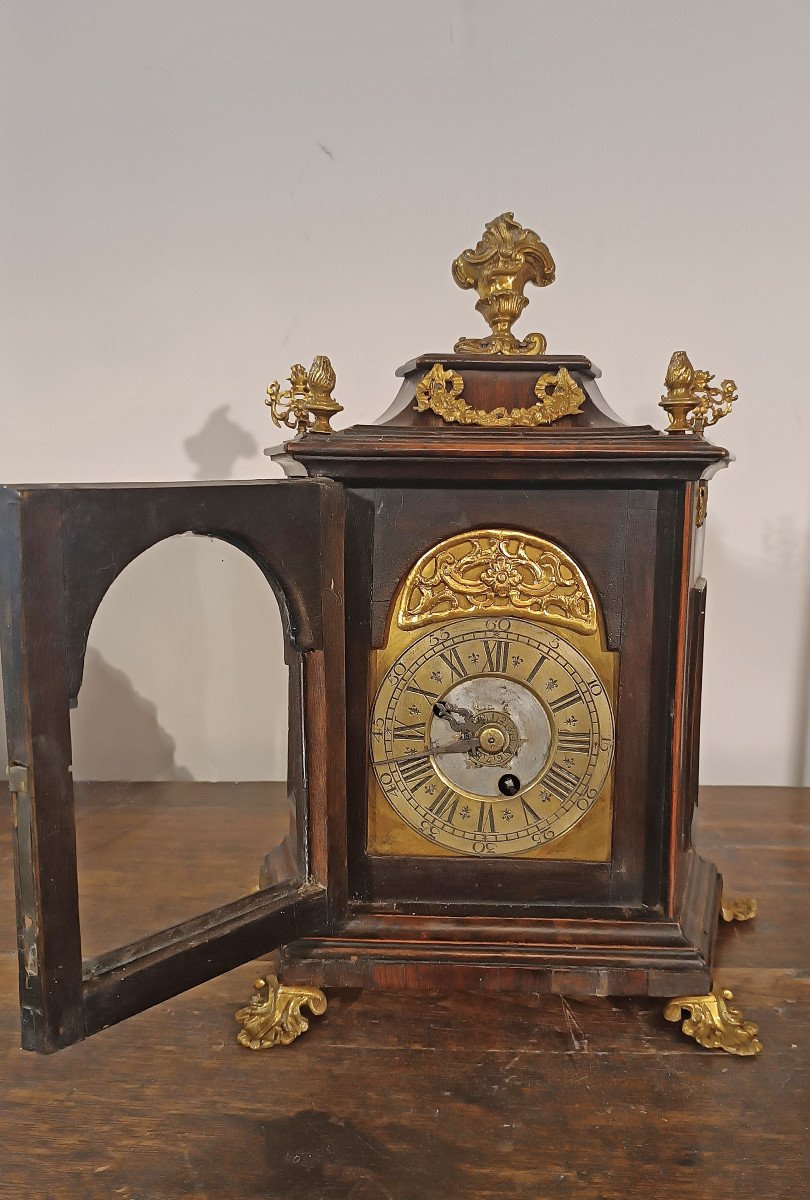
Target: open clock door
{"x": 61, "y": 549}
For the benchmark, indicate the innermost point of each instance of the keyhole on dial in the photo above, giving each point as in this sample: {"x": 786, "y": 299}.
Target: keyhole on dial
{"x": 509, "y": 785}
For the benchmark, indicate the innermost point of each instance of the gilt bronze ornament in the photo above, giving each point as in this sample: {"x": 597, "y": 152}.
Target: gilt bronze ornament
{"x": 713, "y": 1023}
{"x": 275, "y": 1019}
{"x": 738, "y": 908}
{"x": 440, "y": 391}
{"x": 307, "y": 406}
{"x": 690, "y": 401}
{"x": 499, "y": 572}
{"x": 504, "y": 261}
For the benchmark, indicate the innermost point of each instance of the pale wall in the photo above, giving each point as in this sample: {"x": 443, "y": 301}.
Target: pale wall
{"x": 197, "y": 194}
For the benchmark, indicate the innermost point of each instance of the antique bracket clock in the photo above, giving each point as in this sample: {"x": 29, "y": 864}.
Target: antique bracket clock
{"x": 495, "y": 641}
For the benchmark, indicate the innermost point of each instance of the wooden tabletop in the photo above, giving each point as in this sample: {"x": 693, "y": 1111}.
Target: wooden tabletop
{"x": 402, "y": 1097}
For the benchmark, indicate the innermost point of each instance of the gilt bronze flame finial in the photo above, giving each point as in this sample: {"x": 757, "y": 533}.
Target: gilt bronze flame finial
{"x": 307, "y": 406}
{"x": 504, "y": 261}
{"x": 691, "y": 402}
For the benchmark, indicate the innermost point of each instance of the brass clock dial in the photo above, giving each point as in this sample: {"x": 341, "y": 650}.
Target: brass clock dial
{"x": 491, "y": 736}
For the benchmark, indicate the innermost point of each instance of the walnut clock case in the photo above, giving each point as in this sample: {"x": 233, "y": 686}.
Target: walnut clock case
{"x": 495, "y": 634}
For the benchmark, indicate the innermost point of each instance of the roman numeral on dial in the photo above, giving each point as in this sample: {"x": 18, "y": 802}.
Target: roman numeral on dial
{"x": 543, "y": 658}
{"x": 428, "y": 695}
{"x": 486, "y": 819}
{"x": 409, "y": 733}
{"x": 531, "y": 816}
{"x": 578, "y": 743}
{"x": 497, "y": 656}
{"x": 562, "y": 702}
{"x": 445, "y": 804}
{"x": 558, "y": 781}
{"x": 417, "y": 771}
{"x": 453, "y": 660}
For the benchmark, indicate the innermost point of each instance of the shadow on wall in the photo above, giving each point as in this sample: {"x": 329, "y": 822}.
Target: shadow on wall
{"x": 116, "y": 733}
{"x": 195, "y": 634}
{"x": 755, "y": 724}
{"x": 129, "y": 742}
{"x": 215, "y": 448}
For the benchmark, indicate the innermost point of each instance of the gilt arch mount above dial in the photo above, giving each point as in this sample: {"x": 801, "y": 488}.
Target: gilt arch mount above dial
{"x": 498, "y": 572}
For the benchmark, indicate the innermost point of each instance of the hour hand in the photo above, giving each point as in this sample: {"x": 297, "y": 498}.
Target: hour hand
{"x": 459, "y": 719}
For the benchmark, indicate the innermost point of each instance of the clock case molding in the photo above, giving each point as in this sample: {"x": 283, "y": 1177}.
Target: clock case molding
{"x": 624, "y": 502}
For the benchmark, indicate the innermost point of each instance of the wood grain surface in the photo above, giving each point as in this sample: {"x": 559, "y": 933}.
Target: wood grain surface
{"x": 393, "y": 1096}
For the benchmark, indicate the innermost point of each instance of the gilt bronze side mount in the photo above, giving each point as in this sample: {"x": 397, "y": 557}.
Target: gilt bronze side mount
{"x": 691, "y": 403}
{"x": 307, "y": 405}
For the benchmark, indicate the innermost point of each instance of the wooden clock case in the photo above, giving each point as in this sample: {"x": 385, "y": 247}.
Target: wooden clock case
{"x": 335, "y": 541}
{"x": 622, "y": 502}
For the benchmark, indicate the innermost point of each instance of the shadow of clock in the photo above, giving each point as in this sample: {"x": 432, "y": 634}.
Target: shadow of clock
{"x": 308, "y": 1155}
{"x": 217, "y": 444}
{"x": 314, "y": 1153}
{"x": 116, "y": 732}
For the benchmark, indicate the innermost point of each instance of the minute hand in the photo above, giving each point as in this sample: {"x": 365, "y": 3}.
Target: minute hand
{"x": 460, "y": 747}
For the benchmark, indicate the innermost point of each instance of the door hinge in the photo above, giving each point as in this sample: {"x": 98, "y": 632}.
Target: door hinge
{"x": 19, "y": 783}
{"x": 18, "y": 780}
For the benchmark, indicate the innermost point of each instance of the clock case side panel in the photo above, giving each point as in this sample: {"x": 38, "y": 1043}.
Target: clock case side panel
{"x": 688, "y": 688}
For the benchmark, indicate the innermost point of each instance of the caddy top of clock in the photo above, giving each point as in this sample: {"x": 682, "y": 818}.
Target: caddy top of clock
{"x": 524, "y": 614}
{"x": 498, "y": 400}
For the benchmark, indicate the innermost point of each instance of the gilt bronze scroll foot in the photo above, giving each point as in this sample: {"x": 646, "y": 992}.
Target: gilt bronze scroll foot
{"x": 713, "y": 1023}
{"x": 738, "y": 908}
{"x": 274, "y": 1017}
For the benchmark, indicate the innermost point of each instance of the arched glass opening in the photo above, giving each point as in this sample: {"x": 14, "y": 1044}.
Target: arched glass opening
{"x": 179, "y": 742}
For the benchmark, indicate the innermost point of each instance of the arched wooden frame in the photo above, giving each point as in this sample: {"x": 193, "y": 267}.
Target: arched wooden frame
{"x": 62, "y": 548}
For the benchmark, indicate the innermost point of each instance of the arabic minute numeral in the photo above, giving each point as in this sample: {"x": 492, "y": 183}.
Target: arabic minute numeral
{"x": 438, "y": 637}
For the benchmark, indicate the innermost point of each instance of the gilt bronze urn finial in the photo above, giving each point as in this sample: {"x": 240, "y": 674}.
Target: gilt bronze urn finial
{"x": 504, "y": 261}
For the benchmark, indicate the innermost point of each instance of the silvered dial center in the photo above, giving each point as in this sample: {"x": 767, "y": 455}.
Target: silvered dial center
{"x": 512, "y": 730}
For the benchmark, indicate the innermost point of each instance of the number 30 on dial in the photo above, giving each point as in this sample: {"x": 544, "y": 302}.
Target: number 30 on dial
{"x": 491, "y": 736}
